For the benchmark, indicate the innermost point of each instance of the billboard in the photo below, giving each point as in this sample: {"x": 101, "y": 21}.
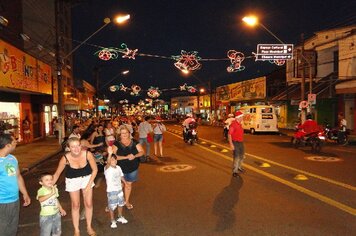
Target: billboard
{"x": 243, "y": 91}
{"x": 19, "y": 70}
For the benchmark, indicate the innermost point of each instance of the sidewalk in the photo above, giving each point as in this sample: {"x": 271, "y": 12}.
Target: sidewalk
{"x": 30, "y": 155}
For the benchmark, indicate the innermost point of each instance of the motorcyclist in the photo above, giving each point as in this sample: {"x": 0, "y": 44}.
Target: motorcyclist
{"x": 227, "y": 123}
{"x": 189, "y": 119}
{"x": 309, "y": 126}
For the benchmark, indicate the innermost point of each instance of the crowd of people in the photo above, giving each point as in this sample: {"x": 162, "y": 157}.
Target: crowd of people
{"x": 118, "y": 142}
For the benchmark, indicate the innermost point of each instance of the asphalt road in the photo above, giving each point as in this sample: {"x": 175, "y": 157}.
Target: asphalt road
{"x": 285, "y": 191}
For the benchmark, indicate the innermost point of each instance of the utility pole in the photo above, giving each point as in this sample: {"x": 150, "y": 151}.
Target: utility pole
{"x": 302, "y": 84}
{"x": 96, "y": 79}
{"x": 59, "y": 70}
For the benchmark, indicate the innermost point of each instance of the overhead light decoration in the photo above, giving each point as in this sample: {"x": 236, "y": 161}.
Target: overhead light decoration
{"x": 128, "y": 53}
{"x": 187, "y": 61}
{"x": 113, "y": 88}
{"x": 185, "y": 87}
{"x": 123, "y": 87}
{"x": 135, "y": 90}
{"x": 236, "y": 59}
{"x": 153, "y": 92}
{"x": 278, "y": 62}
{"x": 106, "y": 54}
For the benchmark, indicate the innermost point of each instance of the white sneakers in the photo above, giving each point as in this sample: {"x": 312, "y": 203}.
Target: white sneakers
{"x": 120, "y": 219}
{"x": 113, "y": 225}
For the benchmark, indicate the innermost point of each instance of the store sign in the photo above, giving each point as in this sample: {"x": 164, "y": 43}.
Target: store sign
{"x": 19, "y": 70}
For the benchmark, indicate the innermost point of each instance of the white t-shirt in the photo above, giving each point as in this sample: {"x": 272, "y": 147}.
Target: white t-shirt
{"x": 159, "y": 128}
{"x": 113, "y": 178}
{"x": 143, "y": 129}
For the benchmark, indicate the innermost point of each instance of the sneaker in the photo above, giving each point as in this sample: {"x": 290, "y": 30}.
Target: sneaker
{"x": 113, "y": 225}
{"x": 235, "y": 175}
{"x": 122, "y": 220}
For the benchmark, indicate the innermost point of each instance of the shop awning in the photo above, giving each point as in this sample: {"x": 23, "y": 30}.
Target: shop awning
{"x": 346, "y": 87}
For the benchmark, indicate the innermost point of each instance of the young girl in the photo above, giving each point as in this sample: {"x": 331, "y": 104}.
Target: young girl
{"x": 114, "y": 176}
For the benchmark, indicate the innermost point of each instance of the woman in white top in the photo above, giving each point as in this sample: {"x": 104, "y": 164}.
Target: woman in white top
{"x": 109, "y": 134}
{"x": 158, "y": 129}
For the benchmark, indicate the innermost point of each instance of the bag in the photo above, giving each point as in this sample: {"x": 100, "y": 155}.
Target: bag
{"x": 149, "y": 138}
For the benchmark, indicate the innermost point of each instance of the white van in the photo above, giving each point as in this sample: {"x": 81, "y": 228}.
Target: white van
{"x": 259, "y": 118}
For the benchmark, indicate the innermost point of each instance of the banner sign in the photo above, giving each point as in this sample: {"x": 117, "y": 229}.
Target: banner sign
{"x": 243, "y": 91}
{"x": 19, "y": 70}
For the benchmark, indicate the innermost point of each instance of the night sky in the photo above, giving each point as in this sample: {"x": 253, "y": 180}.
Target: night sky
{"x": 211, "y": 27}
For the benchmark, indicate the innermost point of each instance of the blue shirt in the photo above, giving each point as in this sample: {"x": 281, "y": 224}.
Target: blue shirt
{"x": 9, "y": 188}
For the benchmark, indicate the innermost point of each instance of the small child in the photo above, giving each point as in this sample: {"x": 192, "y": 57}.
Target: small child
{"x": 114, "y": 176}
{"x": 51, "y": 209}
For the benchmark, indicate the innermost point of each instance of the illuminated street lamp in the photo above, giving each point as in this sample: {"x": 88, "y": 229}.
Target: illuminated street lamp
{"x": 253, "y": 20}
{"x": 119, "y": 20}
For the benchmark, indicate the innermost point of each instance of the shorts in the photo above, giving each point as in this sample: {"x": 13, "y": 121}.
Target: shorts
{"x": 115, "y": 199}
{"x": 132, "y": 176}
{"x": 158, "y": 137}
{"x": 75, "y": 184}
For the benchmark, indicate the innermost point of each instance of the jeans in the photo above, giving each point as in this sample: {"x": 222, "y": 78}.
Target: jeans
{"x": 238, "y": 156}
{"x": 51, "y": 225}
{"x": 142, "y": 141}
{"x": 9, "y": 218}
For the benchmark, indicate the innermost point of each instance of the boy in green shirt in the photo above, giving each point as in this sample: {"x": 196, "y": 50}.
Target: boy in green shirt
{"x": 51, "y": 209}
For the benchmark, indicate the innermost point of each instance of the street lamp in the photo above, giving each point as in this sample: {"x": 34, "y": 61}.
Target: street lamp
{"x": 252, "y": 20}
{"x": 119, "y": 20}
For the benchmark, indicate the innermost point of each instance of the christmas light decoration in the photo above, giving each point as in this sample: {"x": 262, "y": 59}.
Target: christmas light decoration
{"x": 135, "y": 90}
{"x": 187, "y": 61}
{"x": 123, "y": 87}
{"x": 153, "y": 92}
{"x": 278, "y": 62}
{"x": 106, "y": 54}
{"x": 114, "y": 88}
{"x": 128, "y": 53}
{"x": 236, "y": 59}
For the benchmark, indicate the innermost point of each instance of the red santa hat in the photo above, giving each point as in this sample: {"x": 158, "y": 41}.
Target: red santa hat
{"x": 238, "y": 114}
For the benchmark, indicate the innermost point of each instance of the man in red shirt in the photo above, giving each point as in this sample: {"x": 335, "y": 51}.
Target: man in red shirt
{"x": 309, "y": 126}
{"x": 236, "y": 133}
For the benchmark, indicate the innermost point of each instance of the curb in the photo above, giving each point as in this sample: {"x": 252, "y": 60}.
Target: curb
{"x": 48, "y": 156}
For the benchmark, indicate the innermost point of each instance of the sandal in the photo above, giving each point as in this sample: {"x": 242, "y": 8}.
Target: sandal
{"x": 92, "y": 233}
{"x": 129, "y": 206}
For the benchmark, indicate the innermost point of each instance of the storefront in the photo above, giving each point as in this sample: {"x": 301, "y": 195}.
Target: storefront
{"x": 25, "y": 86}
{"x": 10, "y": 119}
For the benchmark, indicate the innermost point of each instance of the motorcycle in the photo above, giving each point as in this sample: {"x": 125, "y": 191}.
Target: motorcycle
{"x": 191, "y": 134}
{"x": 314, "y": 139}
{"x": 335, "y": 135}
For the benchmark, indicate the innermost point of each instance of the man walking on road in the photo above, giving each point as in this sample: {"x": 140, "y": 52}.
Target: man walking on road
{"x": 11, "y": 182}
{"x": 236, "y": 133}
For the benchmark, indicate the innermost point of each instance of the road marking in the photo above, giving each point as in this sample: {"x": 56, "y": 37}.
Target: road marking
{"x": 323, "y": 159}
{"x": 224, "y": 150}
{"x": 306, "y": 191}
{"x": 265, "y": 165}
{"x": 213, "y": 146}
{"x": 176, "y": 168}
{"x": 300, "y": 177}
{"x": 347, "y": 186}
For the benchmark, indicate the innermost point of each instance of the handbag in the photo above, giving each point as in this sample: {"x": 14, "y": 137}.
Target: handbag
{"x": 149, "y": 138}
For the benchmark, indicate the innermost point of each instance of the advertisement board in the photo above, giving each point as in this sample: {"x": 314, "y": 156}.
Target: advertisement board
{"x": 19, "y": 70}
